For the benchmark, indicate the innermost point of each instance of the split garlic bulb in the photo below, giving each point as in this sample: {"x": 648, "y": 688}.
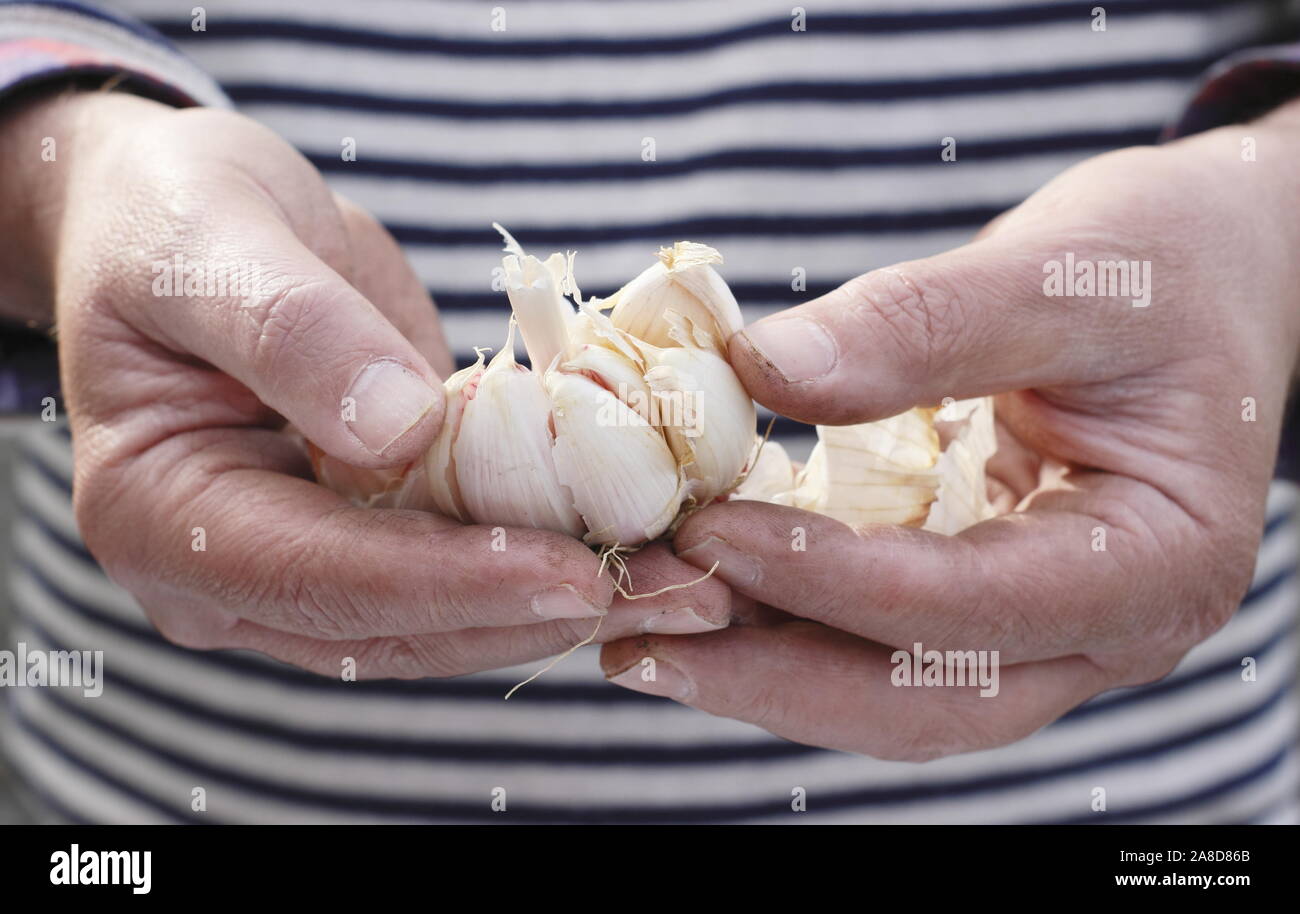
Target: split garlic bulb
{"x": 625, "y": 420}
{"x": 631, "y": 416}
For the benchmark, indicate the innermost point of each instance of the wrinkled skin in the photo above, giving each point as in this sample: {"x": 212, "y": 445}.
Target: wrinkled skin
{"x": 178, "y": 407}
{"x": 1144, "y": 405}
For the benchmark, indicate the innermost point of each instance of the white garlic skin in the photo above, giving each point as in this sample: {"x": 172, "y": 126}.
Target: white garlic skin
{"x": 502, "y": 454}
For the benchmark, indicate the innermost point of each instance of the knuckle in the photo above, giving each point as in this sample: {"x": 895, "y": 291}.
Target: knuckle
{"x": 451, "y": 609}
{"x": 1230, "y": 556}
{"x": 763, "y": 707}
{"x": 412, "y": 658}
{"x": 307, "y": 611}
{"x": 97, "y": 504}
{"x": 911, "y": 309}
{"x": 283, "y": 321}
{"x": 1145, "y": 668}
{"x": 168, "y": 626}
{"x": 955, "y": 723}
{"x": 192, "y": 626}
{"x": 304, "y": 602}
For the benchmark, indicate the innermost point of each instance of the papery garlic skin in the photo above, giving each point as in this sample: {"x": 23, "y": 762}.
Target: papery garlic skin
{"x": 895, "y": 471}
{"x": 502, "y": 455}
{"x": 771, "y": 478}
{"x": 623, "y": 476}
{"x": 536, "y": 289}
{"x": 684, "y": 282}
{"x": 440, "y": 470}
{"x": 710, "y": 417}
{"x": 875, "y": 472}
{"x": 397, "y": 487}
{"x": 962, "y": 498}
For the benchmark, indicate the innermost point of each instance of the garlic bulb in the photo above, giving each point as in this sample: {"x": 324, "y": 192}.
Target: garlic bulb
{"x": 630, "y": 419}
{"x": 611, "y": 435}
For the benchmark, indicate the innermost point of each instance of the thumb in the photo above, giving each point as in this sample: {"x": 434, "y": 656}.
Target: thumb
{"x": 968, "y": 322}
{"x": 317, "y": 351}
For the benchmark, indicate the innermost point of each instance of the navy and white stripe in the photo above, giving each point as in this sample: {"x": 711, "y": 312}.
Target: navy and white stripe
{"x": 817, "y": 150}
{"x": 270, "y": 743}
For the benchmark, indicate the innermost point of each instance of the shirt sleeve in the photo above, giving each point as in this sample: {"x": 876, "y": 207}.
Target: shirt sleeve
{"x": 1237, "y": 89}
{"x": 54, "y": 39}
{"x": 48, "y": 40}
{"x": 1240, "y": 88}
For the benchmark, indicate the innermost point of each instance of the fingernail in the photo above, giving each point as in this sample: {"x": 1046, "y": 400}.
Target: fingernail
{"x": 657, "y": 678}
{"x": 388, "y": 400}
{"x": 564, "y": 602}
{"x": 680, "y": 621}
{"x": 734, "y": 566}
{"x": 799, "y": 348}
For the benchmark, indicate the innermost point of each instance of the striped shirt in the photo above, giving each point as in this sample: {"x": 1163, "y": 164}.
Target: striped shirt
{"x": 810, "y": 153}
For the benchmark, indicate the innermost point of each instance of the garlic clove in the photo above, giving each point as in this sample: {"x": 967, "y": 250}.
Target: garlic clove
{"x": 536, "y": 290}
{"x": 502, "y": 455}
{"x": 591, "y": 327}
{"x": 621, "y": 377}
{"x": 706, "y": 415}
{"x": 623, "y": 476}
{"x": 440, "y": 470}
{"x": 683, "y": 281}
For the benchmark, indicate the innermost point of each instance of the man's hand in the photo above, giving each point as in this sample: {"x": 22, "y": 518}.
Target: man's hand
{"x": 187, "y": 488}
{"x": 1167, "y": 414}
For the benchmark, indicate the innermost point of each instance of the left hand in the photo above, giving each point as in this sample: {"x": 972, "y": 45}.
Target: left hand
{"x": 1144, "y": 405}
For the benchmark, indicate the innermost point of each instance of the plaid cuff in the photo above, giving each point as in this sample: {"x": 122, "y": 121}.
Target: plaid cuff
{"x": 56, "y": 39}
{"x": 42, "y": 41}
{"x": 1240, "y": 88}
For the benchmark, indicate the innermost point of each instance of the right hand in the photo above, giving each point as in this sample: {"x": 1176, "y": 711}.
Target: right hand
{"x": 178, "y": 406}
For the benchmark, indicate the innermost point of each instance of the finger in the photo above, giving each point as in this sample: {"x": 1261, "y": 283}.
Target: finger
{"x": 1034, "y": 585}
{"x": 661, "y": 593}
{"x": 1013, "y": 465}
{"x": 703, "y": 607}
{"x": 815, "y": 685}
{"x": 969, "y": 322}
{"x": 381, "y": 273}
{"x": 208, "y": 520}
{"x": 310, "y": 345}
